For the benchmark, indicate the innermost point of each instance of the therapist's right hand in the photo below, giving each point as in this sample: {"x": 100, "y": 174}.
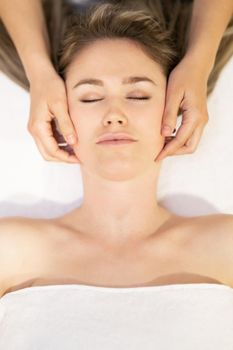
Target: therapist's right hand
{"x": 49, "y": 102}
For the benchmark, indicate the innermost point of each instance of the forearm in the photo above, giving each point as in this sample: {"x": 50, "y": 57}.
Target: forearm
{"x": 209, "y": 21}
{"x": 25, "y": 23}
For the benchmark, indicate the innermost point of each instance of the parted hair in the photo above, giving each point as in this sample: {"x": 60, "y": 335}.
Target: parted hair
{"x": 114, "y": 21}
{"x": 160, "y": 28}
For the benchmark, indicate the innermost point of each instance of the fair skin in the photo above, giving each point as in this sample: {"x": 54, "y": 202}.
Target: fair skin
{"x": 190, "y": 94}
{"x": 48, "y": 93}
{"x": 105, "y": 174}
{"x": 120, "y": 235}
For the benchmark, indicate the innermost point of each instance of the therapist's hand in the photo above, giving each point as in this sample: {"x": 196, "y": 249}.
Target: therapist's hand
{"x": 187, "y": 92}
{"x": 49, "y": 103}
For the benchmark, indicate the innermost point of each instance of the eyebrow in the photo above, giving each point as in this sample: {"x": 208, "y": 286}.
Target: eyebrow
{"x": 128, "y": 80}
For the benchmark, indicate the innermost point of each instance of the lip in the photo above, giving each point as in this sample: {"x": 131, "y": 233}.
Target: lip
{"x": 116, "y": 142}
{"x": 115, "y": 136}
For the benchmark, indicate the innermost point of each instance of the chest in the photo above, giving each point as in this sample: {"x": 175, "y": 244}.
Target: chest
{"x": 156, "y": 262}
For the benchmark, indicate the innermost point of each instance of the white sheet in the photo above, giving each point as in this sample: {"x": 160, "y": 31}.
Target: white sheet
{"x": 190, "y": 185}
{"x": 184, "y": 317}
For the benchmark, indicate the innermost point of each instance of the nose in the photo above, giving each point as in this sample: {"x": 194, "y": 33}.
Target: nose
{"x": 115, "y": 118}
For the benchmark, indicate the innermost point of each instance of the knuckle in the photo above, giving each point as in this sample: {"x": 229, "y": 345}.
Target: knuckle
{"x": 47, "y": 158}
{"x": 191, "y": 149}
{"x": 35, "y": 126}
{"x": 31, "y": 128}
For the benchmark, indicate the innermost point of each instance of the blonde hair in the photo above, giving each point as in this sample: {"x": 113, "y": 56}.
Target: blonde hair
{"x": 159, "y": 27}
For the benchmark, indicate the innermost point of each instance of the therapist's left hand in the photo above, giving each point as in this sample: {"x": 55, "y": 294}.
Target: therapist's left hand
{"x": 187, "y": 92}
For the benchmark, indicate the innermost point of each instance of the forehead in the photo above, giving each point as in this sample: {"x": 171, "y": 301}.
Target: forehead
{"x": 112, "y": 57}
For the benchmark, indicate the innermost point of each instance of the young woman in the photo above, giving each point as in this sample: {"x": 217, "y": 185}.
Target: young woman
{"x": 115, "y": 62}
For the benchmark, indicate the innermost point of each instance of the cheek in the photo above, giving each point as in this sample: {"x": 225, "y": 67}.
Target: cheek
{"x": 73, "y": 108}
{"x": 155, "y": 112}
{"x": 154, "y": 119}
{"x": 159, "y": 117}
{"x": 161, "y": 104}
{"x": 73, "y": 112}
{"x": 83, "y": 123}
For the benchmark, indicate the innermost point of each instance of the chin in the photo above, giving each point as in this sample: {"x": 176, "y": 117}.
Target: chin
{"x": 124, "y": 172}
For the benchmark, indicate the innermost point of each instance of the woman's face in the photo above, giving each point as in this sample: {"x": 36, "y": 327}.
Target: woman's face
{"x": 116, "y": 105}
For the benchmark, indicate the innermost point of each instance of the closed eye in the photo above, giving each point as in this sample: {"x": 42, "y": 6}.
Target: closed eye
{"x": 130, "y": 98}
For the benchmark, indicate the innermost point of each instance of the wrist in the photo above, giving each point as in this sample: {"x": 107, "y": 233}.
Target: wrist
{"x": 201, "y": 59}
{"x": 39, "y": 67}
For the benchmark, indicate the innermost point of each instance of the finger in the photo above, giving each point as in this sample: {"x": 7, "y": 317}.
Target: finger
{"x": 59, "y": 154}
{"x": 43, "y": 151}
{"x": 50, "y": 146}
{"x": 172, "y": 105}
{"x": 184, "y": 133}
{"x": 64, "y": 123}
{"x": 66, "y": 156}
{"x": 191, "y": 145}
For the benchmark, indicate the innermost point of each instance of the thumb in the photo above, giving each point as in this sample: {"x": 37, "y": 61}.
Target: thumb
{"x": 65, "y": 126}
{"x": 172, "y": 105}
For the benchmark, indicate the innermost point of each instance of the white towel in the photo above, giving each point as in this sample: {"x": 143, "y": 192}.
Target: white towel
{"x": 80, "y": 317}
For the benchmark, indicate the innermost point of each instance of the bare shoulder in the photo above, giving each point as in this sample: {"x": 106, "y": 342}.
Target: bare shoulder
{"x": 225, "y": 221}
{"x": 214, "y": 228}
{"x": 221, "y": 226}
{"x": 218, "y": 224}
{"x": 15, "y": 229}
{"x": 19, "y": 238}
{"x": 209, "y": 224}
{"x": 12, "y": 230}
{"x": 216, "y": 238}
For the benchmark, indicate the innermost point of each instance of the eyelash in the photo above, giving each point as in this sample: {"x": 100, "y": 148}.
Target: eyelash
{"x": 131, "y": 98}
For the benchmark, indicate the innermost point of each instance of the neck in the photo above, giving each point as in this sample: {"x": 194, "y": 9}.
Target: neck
{"x": 120, "y": 212}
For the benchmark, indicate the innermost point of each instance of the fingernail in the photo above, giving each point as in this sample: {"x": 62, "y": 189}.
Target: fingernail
{"x": 166, "y": 130}
{"x": 70, "y": 139}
